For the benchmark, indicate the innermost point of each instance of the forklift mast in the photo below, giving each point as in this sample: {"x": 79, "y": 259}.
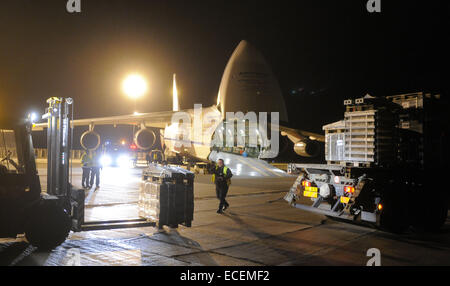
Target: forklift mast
{"x": 58, "y": 145}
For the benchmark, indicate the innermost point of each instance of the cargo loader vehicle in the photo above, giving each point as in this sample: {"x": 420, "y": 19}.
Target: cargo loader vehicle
{"x": 387, "y": 164}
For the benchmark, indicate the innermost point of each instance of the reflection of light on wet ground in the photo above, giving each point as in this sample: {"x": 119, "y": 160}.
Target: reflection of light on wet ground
{"x": 117, "y": 196}
{"x": 112, "y": 258}
{"x": 238, "y": 169}
{"x": 119, "y": 176}
{"x": 112, "y": 212}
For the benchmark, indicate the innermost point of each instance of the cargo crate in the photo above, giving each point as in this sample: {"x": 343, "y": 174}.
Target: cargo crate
{"x": 365, "y": 137}
{"x": 167, "y": 195}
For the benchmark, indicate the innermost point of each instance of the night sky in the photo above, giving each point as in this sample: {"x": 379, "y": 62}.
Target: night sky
{"x": 321, "y": 52}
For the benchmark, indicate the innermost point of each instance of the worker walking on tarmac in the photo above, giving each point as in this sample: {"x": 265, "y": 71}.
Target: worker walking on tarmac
{"x": 148, "y": 159}
{"x": 95, "y": 170}
{"x": 86, "y": 164}
{"x": 222, "y": 178}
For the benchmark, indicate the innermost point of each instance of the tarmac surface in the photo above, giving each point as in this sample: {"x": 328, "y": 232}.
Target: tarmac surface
{"x": 259, "y": 228}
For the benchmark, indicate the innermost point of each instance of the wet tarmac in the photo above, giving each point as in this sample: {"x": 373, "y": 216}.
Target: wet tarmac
{"x": 258, "y": 229}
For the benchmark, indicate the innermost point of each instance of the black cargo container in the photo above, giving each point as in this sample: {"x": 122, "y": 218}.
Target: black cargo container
{"x": 167, "y": 196}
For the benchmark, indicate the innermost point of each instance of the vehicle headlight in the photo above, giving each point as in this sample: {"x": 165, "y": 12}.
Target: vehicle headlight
{"x": 105, "y": 160}
{"x": 123, "y": 161}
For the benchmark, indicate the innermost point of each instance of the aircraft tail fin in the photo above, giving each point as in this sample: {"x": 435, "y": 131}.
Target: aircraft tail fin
{"x": 176, "y": 105}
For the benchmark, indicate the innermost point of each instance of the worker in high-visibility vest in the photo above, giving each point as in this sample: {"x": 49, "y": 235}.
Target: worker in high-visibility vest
{"x": 222, "y": 178}
{"x": 86, "y": 165}
{"x": 95, "y": 169}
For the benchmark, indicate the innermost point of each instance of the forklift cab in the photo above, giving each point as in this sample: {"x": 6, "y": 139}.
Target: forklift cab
{"x": 19, "y": 182}
{"x": 45, "y": 218}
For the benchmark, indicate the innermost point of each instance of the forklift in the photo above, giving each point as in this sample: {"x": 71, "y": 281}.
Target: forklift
{"x": 45, "y": 218}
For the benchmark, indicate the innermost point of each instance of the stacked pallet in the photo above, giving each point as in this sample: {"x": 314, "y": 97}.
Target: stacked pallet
{"x": 167, "y": 196}
{"x": 387, "y": 132}
{"x": 366, "y": 136}
{"x": 335, "y": 142}
{"x": 410, "y": 127}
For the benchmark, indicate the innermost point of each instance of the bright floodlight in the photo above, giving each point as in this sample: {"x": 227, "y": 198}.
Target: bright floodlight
{"x": 134, "y": 86}
{"x": 33, "y": 117}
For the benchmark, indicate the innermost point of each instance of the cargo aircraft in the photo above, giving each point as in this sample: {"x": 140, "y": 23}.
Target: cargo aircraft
{"x": 247, "y": 85}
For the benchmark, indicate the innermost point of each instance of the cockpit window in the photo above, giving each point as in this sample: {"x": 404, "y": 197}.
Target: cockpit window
{"x": 8, "y": 152}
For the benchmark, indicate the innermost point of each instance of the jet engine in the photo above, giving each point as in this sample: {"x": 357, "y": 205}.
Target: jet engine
{"x": 90, "y": 140}
{"x": 145, "y": 138}
{"x": 307, "y": 148}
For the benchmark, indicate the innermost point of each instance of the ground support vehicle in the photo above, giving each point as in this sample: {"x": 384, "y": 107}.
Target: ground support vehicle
{"x": 386, "y": 164}
{"x": 45, "y": 217}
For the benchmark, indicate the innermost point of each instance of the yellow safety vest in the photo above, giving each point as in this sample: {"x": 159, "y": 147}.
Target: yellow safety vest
{"x": 86, "y": 160}
{"x": 225, "y": 169}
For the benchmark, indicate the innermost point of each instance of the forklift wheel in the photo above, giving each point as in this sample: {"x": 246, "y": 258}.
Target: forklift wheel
{"x": 48, "y": 225}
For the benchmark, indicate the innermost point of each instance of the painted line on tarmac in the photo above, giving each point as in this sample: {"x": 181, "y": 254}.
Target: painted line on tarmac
{"x": 88, "y": 199}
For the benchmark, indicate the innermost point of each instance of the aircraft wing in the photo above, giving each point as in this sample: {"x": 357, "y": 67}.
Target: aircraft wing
{"x": 163, "y": 118}
{"x": 296, "y": 135}
{"x": 152, "y": 119}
